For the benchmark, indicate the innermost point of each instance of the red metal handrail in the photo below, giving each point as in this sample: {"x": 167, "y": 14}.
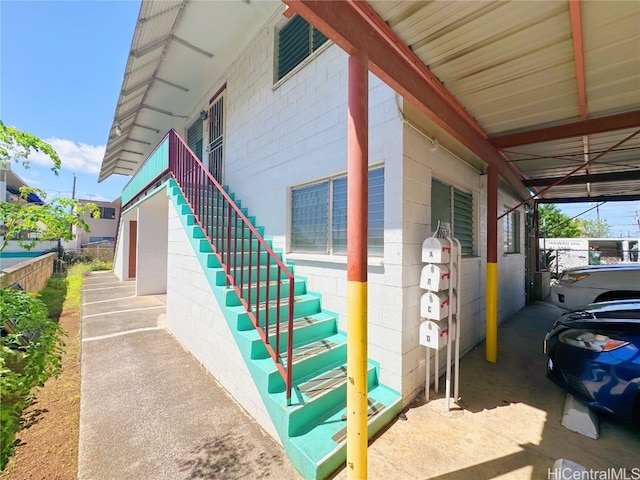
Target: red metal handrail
{"x": 220, "y": 218}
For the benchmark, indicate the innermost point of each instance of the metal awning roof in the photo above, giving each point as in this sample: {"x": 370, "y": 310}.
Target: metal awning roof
{"x": 552, "y": 85}
{"x": 179, "y": 50}
{"x": 517, "y": 67}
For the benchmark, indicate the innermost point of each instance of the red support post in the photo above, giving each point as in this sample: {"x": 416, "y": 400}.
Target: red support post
{"x": 357, "y": 227}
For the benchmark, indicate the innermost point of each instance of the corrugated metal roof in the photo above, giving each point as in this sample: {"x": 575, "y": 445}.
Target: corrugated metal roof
{"x": 512, "y": 66}
{"x": 179, "y": 50}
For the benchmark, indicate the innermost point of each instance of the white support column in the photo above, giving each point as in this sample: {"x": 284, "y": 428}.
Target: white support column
{"x": 153, "y": 233}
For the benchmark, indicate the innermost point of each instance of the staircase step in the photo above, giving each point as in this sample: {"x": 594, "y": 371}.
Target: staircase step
{"x": 303, "y": 305}
{"x": 241, "y": 273}
{"x": 311, "y": 358}
{"x": 320, "y": 450}
{"x": 305, "y": 330}
{"x": 236, "y": 244}
{"x": 312, "y": 425}
{"x": 249, "y": 291}
{"x": 321, "y": 395}
{"x": 239, "y": 259}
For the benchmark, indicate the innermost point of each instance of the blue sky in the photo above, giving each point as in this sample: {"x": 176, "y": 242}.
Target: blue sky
{"x": 620, "y": 215}
{"x": 61, "y": 67}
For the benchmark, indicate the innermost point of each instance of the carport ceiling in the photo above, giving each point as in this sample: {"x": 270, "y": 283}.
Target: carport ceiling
{"x": 553, "y": 85}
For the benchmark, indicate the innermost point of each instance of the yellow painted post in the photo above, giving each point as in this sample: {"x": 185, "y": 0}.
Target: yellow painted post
{"x": 357, "y": 226}
{"x": 491, "y": 321}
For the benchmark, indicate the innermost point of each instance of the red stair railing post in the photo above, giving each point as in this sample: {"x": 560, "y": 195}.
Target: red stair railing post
{"x": 288, "y": 380}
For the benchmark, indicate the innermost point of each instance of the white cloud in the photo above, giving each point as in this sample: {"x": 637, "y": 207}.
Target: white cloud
{"x": 75, "y": 157}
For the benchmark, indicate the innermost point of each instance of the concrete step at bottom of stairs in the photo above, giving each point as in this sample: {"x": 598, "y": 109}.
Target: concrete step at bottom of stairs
{"x": 321, "y": 449}
{"x": 320, "y": 396}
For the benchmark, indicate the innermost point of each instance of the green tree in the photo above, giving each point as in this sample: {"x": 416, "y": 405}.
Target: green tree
{"x": 556, "y": 224}
{"x": 18, "y": 145}
{"x": 31, "y": 344}
{"x": 594, "y": 228}
{"x": 50, "y": 221}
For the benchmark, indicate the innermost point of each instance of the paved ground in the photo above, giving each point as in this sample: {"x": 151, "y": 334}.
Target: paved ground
{"x": 509, "y": 426}
{"x": 150, "y": 410}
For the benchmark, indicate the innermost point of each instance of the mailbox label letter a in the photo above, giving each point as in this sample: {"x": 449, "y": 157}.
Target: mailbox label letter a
{"x": 431, "y": 254}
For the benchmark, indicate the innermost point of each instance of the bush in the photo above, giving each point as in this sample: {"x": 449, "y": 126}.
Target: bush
{"x": 30, "y": 351}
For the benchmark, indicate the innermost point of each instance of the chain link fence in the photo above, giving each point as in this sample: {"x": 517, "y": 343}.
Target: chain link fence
{"x": 562, "y": 259}
{"x": 101, "y": 252}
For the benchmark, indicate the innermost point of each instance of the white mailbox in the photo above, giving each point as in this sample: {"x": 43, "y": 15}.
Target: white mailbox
{"x": 436, "y": 305}
{"x": 434, "y": 334}
{"x": 436, "y": 250}
{"x": 435, "y": 277}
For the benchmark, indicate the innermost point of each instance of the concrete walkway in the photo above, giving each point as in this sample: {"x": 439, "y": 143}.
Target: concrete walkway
{"x": 149, "y": 410}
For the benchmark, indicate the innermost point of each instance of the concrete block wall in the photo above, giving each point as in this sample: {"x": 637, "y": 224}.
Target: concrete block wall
{"x": 195, "y": 319}
{"x": 420, "y": 165}
{"x": 121, "y": 259}
{"x": 152, "y": 246}
{"x": 287, "y": 133}
{"x": 32, "y": 275}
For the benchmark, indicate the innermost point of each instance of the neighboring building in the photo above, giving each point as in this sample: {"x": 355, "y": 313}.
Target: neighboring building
{"x": 102, "y": 229}
{"x": 259, "y": 103}
{"x": 582, "y": 251}
{"x": 14, "y": 253}
{"x": 10, "y": 184}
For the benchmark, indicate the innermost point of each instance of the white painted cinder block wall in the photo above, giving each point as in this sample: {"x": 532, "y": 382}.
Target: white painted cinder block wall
{"x": 296, "y": 132}
{"x": 196, "y": 320}
{"x": 151, "y": 271}
{"x": 283, "y": 135}
{"x": 420, "y": 165}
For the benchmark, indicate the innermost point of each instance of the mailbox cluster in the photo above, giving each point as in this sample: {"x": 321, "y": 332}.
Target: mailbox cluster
{"x": 439, "y": 305}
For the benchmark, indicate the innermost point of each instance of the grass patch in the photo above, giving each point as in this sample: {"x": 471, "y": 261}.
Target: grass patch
{"x": 53, "y": 296}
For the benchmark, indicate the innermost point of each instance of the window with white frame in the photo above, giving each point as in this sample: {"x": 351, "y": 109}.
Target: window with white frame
{"x": 319, "y": 216}
{"x": 295, "y": 42}
{"x": 449, "y": 204}
{"x": 511, "y": 231}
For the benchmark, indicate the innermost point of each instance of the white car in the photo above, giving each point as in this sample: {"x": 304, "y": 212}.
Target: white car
{"x": 596, "y": 283}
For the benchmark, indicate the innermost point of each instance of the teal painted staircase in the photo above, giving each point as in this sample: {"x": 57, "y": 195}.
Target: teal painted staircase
{"x": 312, "y": 423}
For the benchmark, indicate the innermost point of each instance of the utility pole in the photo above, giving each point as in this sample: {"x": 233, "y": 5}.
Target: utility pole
{"x": 73, "y": 191}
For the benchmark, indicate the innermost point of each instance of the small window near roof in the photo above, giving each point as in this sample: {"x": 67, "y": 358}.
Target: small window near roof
{"x": 194, "y": 137}
{"x": 295, "y": 42}
{"x": 448, "y": 204}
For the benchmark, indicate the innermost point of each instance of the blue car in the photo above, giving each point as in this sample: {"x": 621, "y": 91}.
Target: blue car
{"x": 594, "y": 354}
